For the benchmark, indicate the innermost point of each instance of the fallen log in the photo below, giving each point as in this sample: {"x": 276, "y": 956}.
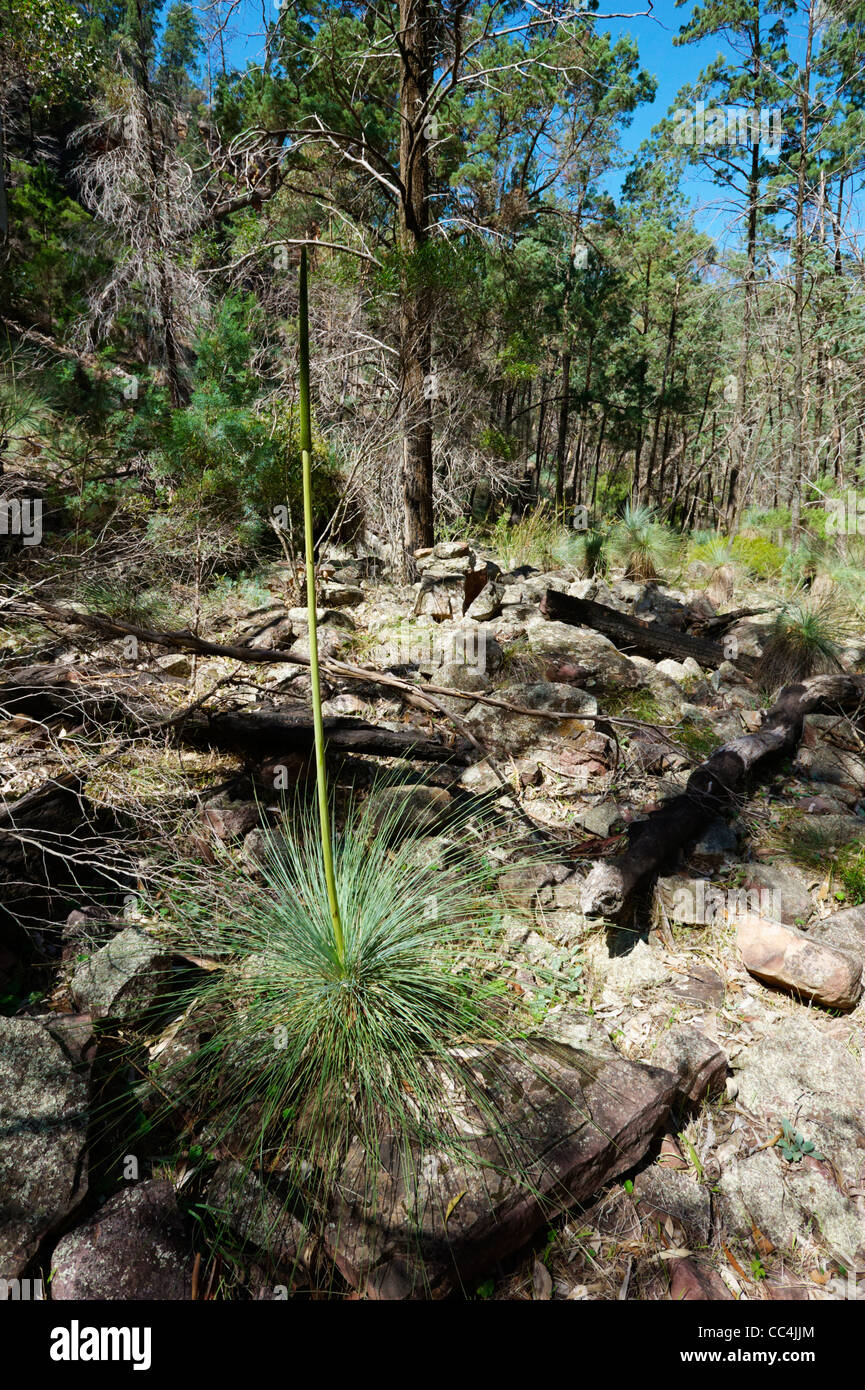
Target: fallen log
{"x": 636, "y": 635}
{"x": 713, "y": 789}
{"x": 43, "y": 691}
{"x": 269, "y": 732}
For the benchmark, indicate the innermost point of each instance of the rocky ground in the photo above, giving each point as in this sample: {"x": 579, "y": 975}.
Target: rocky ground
{"x": 721, "y": 1147}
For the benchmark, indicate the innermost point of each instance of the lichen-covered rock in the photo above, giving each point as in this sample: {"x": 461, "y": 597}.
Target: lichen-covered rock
{"x": 515, "y": 732}
{"x": 136, "y": 1247}
{"x": 605, "y": 666}
{"x": 240, "y": 1201}
{"x": 43, "y": 1134}
{"x": 124, "y": 979}
{"x": 410, "y": 810}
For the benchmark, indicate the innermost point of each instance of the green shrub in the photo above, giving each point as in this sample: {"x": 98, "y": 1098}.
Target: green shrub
{"x": 642, "y": 544}
{"x": 229, "y": 447}
{"x": 761, "y": 557}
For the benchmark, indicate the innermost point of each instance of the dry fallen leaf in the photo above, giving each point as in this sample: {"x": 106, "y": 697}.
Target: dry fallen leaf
{"x": 763, "y": 1243}
{"x": 542, "y": 1282}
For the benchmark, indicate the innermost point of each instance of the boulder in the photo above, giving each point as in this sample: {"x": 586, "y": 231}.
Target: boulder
{"x": 410, "y": 810}
{"x": 783, "y": 891}
{"x": 794, "y": 960}
{"x": 606, "y": 668}
{"x": 123, "y": 980}
{"x": 137, "y": 1246}
{"x": 43, "y": 1138}
{"x": 517, "y": 732}
{"x": 574, "y": 1120}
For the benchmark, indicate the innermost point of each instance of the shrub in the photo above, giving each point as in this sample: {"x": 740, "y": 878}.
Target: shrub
{"x": 230, "y": 447}
{"x": 805, "y": 639}
{"x": 642, "y": 544}
{"x": 309, "y": 1047}
{"x": 761, "y": 557}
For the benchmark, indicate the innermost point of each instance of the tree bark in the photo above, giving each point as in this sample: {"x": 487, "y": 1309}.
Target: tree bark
{"x": 632, "y": 634}
{"x": 415, "y": 299}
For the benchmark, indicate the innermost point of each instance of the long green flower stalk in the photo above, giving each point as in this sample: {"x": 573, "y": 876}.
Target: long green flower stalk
{"x": 318, "y": 724}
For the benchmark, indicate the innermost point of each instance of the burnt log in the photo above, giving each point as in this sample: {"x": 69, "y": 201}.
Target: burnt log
{"x": 714, "y": 789}
{"x": 635, "y": 635}
{"x": 41, "y": 692}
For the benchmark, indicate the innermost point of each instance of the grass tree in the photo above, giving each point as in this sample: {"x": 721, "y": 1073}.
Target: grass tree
{"x": 356, "y": 971}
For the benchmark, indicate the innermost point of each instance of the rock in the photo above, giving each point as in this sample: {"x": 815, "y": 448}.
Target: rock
{"x": 794, "y": 1209}
{"x": 694, "y": 1280}
{"x": 260, "y": 846}
{"x": 579, "y": 1118}
{"x": 341, "y": 595}
{"x": 520, "y": 886}
{"x": 607, "y": 668}
{"x": 800, "y": 1073}
{"x": 43, "y": 1138}
{"x": 702, "y": 986}
{"x": 698, "y": 1063}
{"x": 445, "y": 550}
{"x": 673, "y": 669}
{"x": 135, "y": 1247}
{"x": 459, "y": 677}
{"x": 253, "y": 1213}
{"x": 344, "y": 703}
{"x": 628, "y": 964}
{"x": 324, "y": 617}
{"x": 517, "y": 732}
{"x": 833, "y": 765}
{"x": 124, "y": 979}
{"x": 84, "y": 932}
{"x": 846, "y": 930}
{"x": 230, "y": 819}
{"x": 409, "y": 810}
{"x": 487, "y": 605}
{"x": 333, "y": 641}
{"x": 599, "y": 820}
{"x": 716, "y": 844}
{"x": 176, "y": 664}
{"x": 812, "y": 969}
{"x": 787, "y": 898}
{"x": 663, "y": 1193}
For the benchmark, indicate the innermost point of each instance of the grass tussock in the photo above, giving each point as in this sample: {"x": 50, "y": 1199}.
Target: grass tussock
{"x": 806, "y": 639}
{"x": 310, "y": 1049}
{"x": 642, "y": 545}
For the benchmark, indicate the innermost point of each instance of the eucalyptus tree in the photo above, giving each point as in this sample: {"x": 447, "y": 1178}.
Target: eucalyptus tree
{"x": 397, "y": 91}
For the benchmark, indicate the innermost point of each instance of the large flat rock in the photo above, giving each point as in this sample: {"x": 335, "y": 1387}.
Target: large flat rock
{"x": 576, "y": 1116}
{"x": 135, "y": 1247}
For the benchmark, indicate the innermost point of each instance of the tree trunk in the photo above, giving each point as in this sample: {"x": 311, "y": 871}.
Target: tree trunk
{"x": 415, "y": 299}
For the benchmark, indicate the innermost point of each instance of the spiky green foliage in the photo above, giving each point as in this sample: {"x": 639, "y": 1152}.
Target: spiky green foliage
{"x": 538, "y": 539}
{"x": 806, "y": 638}
{"x": 645, "y": 547}
{"x": 593, "y": 553}
{"x": 309, "y": 1047}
